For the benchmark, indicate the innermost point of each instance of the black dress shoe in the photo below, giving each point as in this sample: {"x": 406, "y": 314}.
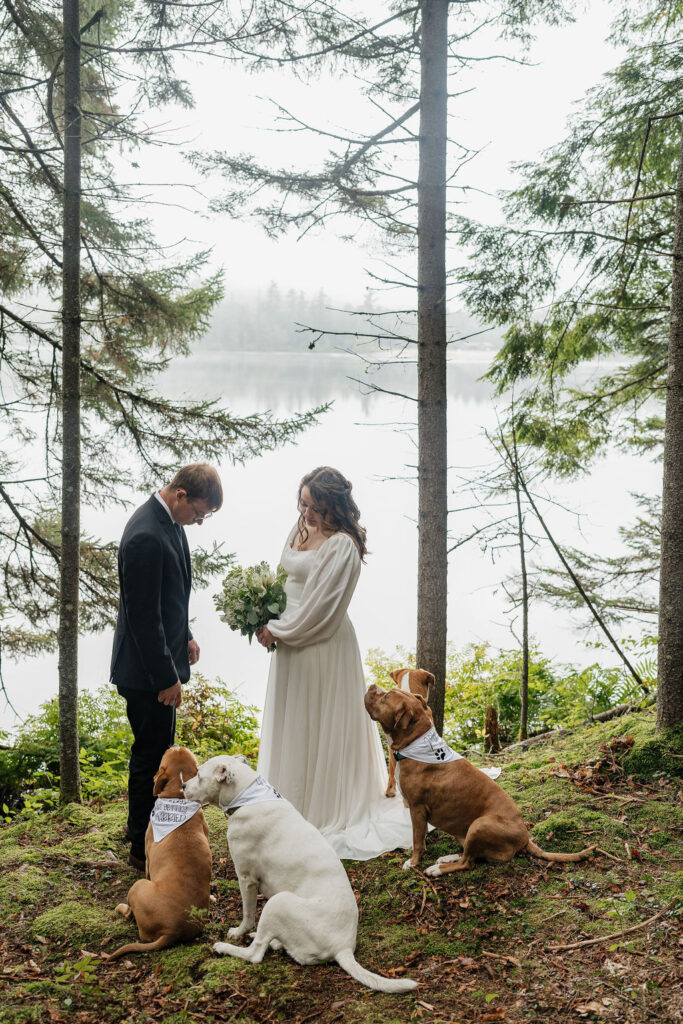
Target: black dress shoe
{"x": 136, "y": 862}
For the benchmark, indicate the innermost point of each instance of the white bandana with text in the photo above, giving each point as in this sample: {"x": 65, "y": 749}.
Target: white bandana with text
{"x": 169, "y": 813}
{"x": 257, "y": 792}
{"x": 430, "y": 748}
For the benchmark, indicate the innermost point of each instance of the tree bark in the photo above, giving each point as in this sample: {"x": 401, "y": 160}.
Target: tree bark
{"x": 70, "y": 787}
{"x": 670, "y": 656}
{"x": 524, "y": 681}
{"x": 431, "y": 351}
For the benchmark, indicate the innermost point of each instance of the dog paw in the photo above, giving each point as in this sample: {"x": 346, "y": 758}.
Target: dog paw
{"x": 408, "y": 864}
{"x": 124, "y": 909}
{"x": 221, "y": 947}
{"x": 434, "y": 871}
{"x": 235, "y": 933}
{"x": 449, "y": 859}
{"x": 391, "y": 791}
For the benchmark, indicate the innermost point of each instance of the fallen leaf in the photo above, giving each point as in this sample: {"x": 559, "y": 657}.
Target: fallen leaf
{"x": 427, "y": 1006}
{"x": 592, "y": 1007}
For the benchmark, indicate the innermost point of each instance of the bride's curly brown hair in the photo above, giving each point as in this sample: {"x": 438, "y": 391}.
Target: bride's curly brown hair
{"x": 331, "y": 493}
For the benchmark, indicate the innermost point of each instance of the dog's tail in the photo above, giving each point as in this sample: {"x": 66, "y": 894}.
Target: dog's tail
{"x": 348, "y": 963}
{"x": 142, "y": 947}
{"x": 563, "y": 858}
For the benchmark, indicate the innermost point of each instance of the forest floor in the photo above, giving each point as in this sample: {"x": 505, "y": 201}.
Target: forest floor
{"x": 481, "y": 944}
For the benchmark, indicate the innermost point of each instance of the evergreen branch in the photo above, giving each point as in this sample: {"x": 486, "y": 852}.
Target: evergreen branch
{"x": 36, "y": 151}
{"x": 593, "y": 399}
{"x": 383, "y": 391}
{"x": 25, "y": 223}
{"x": 26, "y": 527}
{"x": 613, "y": 202}
{"x": 576, "y": 581}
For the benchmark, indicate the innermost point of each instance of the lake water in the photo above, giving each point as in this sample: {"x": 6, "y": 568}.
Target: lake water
{"x": 371, "y": 438}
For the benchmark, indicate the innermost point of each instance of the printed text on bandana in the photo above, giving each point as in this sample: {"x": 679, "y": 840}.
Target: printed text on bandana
{"x": 169, "y": 814}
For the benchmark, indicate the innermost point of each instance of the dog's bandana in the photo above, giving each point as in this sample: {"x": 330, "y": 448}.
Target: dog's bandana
{"x": 169, "y": 813}
{"x": 429, "y": 748}
{"x": 256, "y": 793}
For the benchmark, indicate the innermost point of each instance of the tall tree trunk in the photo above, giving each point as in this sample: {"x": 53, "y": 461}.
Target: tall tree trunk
{"x": 670, "y": 662}
{"x": 524, "y": 681}
{"x": 70, "y": 786}
{"x": 431, "y": 351}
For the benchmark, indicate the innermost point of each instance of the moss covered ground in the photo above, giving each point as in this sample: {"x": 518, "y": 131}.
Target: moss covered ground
{"x": 481, "y": 944}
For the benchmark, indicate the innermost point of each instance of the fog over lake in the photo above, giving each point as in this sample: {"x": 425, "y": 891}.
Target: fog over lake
{"x": 371, "y": 438}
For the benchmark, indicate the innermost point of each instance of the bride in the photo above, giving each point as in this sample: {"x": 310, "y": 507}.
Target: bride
{"x": 318, "y": 745}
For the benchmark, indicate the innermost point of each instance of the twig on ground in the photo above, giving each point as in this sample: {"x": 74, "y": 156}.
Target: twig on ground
{"x": 619, "y": 860}
{"x": 615, "y": 935}
{"x": 499, "y": 956}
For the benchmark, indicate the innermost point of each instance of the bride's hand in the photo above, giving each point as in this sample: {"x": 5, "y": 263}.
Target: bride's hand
{"x": 265, "y": 637}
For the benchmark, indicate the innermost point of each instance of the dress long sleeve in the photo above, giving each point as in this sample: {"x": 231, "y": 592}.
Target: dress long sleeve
{"x": 325, "y": 597}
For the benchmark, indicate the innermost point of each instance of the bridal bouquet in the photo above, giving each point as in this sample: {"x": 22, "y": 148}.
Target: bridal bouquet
{"x": 252, "y": 596}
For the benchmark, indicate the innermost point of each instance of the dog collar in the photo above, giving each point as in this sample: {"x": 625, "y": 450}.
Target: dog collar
{"x": 169, "y": 813}
{"x": 429, "y": 748}
{"x": 256, "y": 792}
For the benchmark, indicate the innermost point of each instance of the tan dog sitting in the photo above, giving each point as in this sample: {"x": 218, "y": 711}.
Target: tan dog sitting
{"x": 444, "y": 790}
{"x": 410, "y": 680}
{"x": 178, "y": 863}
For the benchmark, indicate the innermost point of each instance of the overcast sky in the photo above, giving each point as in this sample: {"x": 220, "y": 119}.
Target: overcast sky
{"x": 511, "y": 114}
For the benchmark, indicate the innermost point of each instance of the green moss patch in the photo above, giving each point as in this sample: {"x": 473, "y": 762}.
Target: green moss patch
{"x": 26, "y": 886}
{"x": 489, "y": 932}
{"x": 79, "y": 922}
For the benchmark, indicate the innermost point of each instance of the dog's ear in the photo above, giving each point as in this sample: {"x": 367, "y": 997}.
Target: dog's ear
{"x": 402, "y": 714}
{"x": 222, "y": 773}
{"x": 160, "y": 780}
{"x": 418, "y": 696}
{"x": 396, "y": 674}
{"x": 426, "y": 677}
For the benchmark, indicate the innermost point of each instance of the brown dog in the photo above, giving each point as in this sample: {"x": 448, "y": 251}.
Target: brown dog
{"x": 410, "y": 680}
{"x": 453, "y": 796}
{"x": 178, "y": 868}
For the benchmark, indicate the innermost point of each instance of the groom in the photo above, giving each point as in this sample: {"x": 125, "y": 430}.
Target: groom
{"x": 153, "y": 645}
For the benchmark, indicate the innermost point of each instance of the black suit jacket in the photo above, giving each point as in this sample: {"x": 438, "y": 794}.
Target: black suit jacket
{"x": 152, "y": 631}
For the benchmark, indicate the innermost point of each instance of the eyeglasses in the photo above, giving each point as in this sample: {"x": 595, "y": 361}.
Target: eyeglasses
{"x": 200, "y": 516}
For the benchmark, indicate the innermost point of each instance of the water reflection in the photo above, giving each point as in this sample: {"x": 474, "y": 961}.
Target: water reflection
{"x": 285, "y": 381}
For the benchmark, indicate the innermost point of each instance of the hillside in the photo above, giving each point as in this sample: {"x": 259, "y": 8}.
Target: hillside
{"x": 481, "y": 944}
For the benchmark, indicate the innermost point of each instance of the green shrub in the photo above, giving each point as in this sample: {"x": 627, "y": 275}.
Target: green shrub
{"x": 559, "y": 695}
{"x": 211, "y": 720}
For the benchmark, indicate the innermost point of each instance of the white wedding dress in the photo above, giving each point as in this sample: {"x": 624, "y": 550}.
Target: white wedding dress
{"x": 319, "y": 747}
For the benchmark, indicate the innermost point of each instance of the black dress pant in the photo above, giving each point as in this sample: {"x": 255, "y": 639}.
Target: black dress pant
{"x": 153, "y": 726}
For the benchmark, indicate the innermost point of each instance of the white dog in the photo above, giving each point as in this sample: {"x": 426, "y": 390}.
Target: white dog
{"x": 311, "y": 909}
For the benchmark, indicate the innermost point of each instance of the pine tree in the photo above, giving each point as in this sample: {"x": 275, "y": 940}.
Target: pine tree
{"x": 81, "y": 345}
{"x": 402, "y": 57}
{"x": 583, "y": 268}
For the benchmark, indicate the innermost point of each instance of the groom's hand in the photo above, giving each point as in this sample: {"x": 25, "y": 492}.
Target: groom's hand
{"x": 193, "y": 652}
{"x": 172, "y": 696}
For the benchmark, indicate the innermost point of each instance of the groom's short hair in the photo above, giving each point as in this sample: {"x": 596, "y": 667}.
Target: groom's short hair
{"x": 200, "y": 480}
